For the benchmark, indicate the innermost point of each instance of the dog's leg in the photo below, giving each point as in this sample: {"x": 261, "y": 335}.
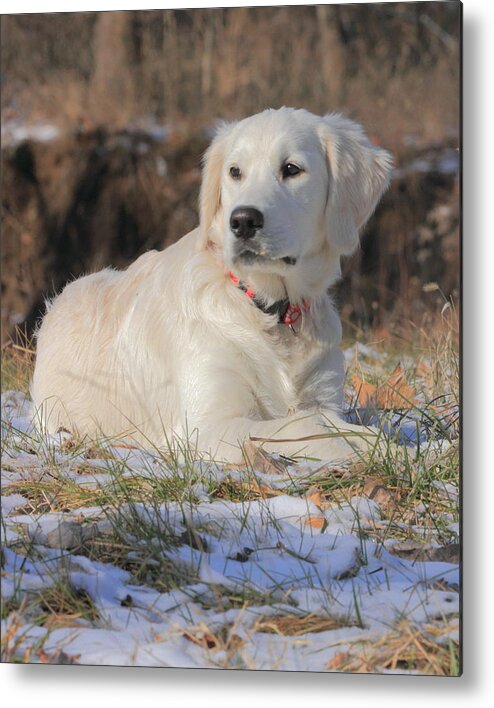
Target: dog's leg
{"x": 321, "y": 435}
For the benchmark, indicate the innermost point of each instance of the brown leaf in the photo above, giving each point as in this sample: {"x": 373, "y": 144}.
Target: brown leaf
{"x": 262, "y": 461}
{"x": 317, "y": 522}
{"x": 366, "y": 392}
{"x": 394, "y": 393}
{"x": 417, "y": 551}
{"x": 338, "y": 660}
{"x": 315, "y": 497}
{"x": 375, "y": 489}
{"x": 57, "y": 657}
{"x": 43, "y": 656}
{"x": 97, "y": 453}
{"x": 422, "y": 369}
{"x": 401, "y": 395}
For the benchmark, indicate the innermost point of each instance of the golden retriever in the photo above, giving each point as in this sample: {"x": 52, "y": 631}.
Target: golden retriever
{"x": 229, "y": 333}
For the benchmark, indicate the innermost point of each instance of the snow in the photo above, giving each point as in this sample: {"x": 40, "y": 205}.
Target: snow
{"x": 14, "y": 132}
{"x": 265, "y": 549}
{"x": 446, "y": 163}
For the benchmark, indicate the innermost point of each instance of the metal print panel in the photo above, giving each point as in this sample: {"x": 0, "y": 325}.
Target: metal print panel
{"x": 230, "y": 356}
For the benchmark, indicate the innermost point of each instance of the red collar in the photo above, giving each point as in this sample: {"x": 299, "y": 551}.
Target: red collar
{"x": 288, "y": 313}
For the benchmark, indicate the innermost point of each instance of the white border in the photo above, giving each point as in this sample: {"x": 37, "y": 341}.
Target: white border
{"x": 21, "y": 6}
{"x": 85, "y": 686}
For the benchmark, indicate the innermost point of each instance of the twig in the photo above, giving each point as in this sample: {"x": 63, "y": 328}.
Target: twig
{"x": 320, "y": 436}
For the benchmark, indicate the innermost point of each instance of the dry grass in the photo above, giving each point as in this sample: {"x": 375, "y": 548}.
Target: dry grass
{"x": 297, "y": 625}
{"x": 429, "y": 353}
{"x": 17, "y": 364}
{"x": 406, "y": 484}
{"x": 194, "y": 66}
{"x": 185, "y": 70}
{"x": 54, "y": 493}
{"x": 425, "y": 651}
{"x": 64, "y": 606}
{"x": 60, "y": 606}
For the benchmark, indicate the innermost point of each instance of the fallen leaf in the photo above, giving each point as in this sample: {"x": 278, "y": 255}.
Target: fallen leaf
{"x": 417, "y": 551}
{"x": 366, "y": 392}
{"x": 315, "y": 497}
{"x": 422, "y": 369}
{"x": 317, "y": 522}
{"x": 262, "y": 461}
{"x": 395, "y": 393}
{"x": 98, "y": 453}
{"x": 57, "y": 657}
{"x": 412, "y": 550}
{"x": 338, "y": 660}
{"x": 43, "y": 656}
{"x": 447, "y": 554}
{"x": 375, "y": 489}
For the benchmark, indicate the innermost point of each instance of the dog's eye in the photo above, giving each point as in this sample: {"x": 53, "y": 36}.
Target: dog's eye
{"x": 235, "y": 172}
{"x": 289, "y": 169}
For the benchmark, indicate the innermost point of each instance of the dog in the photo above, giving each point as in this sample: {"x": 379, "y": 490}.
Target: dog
{"x": 229, "y": 334}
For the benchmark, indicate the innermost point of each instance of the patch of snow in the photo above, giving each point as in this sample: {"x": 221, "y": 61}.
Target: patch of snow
{"x": 266, "y": 547}
{"x": 161, "y": 166}
{"x": 358, "y": 350}
{"x": 12, "y": 502}
{"x": 14, "y": 132}
{"x": 448, "y": 163}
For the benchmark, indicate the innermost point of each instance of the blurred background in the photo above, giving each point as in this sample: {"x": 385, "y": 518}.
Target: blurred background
{"x": 105, "y": 117}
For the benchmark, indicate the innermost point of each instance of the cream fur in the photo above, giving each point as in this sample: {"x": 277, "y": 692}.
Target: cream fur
{"x": 171, "y": 347}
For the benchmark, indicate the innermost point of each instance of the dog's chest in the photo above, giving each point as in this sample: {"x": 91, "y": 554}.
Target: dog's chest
{"x": 279, "y": 366}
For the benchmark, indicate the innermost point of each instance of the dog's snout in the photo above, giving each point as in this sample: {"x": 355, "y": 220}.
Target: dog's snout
{"x": 245, "y": 221}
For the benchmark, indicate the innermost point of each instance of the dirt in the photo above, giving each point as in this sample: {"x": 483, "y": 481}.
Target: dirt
{"x": 412, "y": 240}
{"x": 96, "y": 199}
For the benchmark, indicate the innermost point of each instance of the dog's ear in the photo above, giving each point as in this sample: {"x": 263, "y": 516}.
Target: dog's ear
{"x": 210, "y": 194}
{"x": 358, "y": 175}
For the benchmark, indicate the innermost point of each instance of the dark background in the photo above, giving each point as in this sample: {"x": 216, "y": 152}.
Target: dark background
{"x": 105, "y": 117}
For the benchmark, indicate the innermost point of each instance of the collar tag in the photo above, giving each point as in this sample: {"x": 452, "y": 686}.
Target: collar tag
{"x": 293, "y": 314}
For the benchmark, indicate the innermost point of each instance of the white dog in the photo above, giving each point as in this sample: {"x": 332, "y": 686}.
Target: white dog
{"x": 230, "y": 332}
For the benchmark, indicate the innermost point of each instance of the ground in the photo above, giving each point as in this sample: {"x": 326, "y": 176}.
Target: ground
{"x": 117, "y": 555}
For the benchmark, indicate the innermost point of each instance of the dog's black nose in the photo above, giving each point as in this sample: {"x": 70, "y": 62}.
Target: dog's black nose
{"x": 245, "y": 221}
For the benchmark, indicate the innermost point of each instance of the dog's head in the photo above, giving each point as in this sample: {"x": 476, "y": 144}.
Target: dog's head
{"x": 285, "y": 185}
